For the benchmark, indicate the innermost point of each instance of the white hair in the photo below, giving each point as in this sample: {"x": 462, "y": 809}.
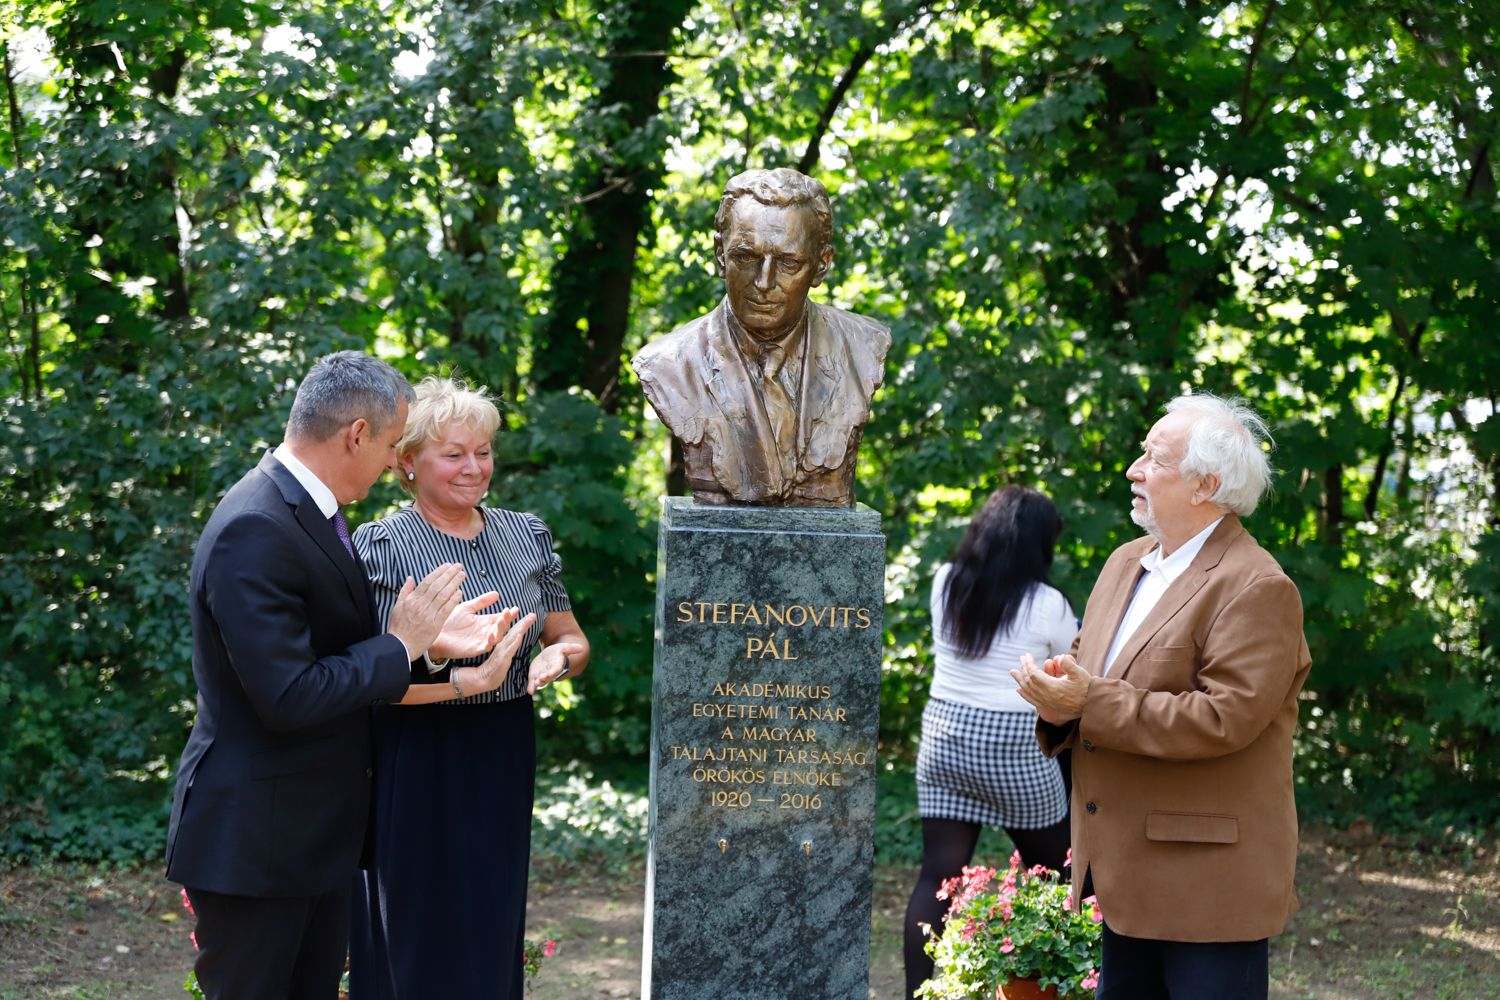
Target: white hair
{"x": 1229, "y": 441}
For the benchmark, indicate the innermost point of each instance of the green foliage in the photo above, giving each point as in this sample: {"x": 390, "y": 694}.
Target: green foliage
{"x": 588, "y": 820}
{"x": 1067, "y": 211}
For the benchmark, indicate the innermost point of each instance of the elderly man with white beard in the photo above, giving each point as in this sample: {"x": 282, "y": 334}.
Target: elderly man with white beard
{"x": 1179, "y": 700}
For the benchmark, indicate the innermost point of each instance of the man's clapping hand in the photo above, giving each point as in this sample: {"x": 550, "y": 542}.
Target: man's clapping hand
{"x": 422, "y": 608}
{"x": 1058, "y": 688}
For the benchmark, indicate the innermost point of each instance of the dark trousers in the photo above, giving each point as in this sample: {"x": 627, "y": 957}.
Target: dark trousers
{"x": 270, "y": 949}
{"x": 1143, "y": 969}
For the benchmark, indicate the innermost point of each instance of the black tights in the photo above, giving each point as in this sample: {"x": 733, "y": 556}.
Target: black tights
{"x": 947, "y": 846}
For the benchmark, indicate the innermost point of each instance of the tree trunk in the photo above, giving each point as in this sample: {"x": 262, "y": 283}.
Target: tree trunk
{"x": 583, "y": 343}
{"x": 1333, "y": 506}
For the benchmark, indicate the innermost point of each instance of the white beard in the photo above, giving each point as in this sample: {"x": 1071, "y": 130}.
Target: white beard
{"x": 1144, "y": 518}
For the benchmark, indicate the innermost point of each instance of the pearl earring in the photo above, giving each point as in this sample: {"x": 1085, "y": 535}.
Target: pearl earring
{"x": 410, "y": 476}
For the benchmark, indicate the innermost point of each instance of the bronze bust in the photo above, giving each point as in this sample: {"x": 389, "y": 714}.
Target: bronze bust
{"x": 769, "y": 393}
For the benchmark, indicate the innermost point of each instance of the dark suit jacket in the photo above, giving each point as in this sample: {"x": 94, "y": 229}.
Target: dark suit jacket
{"x": 1182, "y": 759}
{"x": 273, "y": 787}
{"x": 698, "y": 382}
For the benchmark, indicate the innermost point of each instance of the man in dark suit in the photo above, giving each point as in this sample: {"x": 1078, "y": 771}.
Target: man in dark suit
{"x": 769, "y": 393}
{"x": 273, "y": 788}
{"x": 1179, "y": 702}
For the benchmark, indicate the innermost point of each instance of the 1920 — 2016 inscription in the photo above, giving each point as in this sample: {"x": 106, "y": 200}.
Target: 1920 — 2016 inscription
{"x": 779, "y": 744}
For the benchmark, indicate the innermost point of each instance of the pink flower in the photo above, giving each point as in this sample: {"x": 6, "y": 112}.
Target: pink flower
{"x": 187, "y": 904}
{"x": 1067, "y": 903}
{"x": 1008, "y": 946}
{"x": 1090, "y": 981}
{"x": 1068, "y": 861}
{"x": 549, "y": 948}
{"x": 193, "y": 937}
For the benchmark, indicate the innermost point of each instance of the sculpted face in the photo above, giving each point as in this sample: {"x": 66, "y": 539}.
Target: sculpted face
{"x": 770, "y": 258}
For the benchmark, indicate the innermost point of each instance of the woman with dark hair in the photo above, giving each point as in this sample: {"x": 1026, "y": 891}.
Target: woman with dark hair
{"x": 979, "y": 763}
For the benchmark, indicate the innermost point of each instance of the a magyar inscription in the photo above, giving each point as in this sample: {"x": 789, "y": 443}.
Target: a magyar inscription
{"x": 777, "y": 742}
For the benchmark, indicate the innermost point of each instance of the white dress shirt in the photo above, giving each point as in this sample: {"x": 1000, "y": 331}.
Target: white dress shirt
{"x": 321, "y": 494}
{"x": 1159, "y": 574}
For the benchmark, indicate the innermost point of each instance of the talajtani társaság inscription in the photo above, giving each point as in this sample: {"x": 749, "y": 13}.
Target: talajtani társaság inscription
{"x": 773, "y": 742}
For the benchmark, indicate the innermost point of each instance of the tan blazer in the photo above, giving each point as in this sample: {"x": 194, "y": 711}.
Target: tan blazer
{"x": 1182, "y": 759}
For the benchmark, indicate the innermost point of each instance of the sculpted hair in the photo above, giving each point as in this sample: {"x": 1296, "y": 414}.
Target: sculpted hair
{"x": 1005, "y": 554}
{"x": 780, "y": 187}
{"x": 1228, "y": 440}
{"x": 442, "y": 403}
{"x": 344, "y": 387}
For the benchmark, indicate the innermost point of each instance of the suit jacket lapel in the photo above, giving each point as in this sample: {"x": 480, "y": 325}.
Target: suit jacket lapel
{"x": 823, "y": 380}
{"x": 1179, "y": 593}
{"x": 319, "y": 530}
{"x": 1099, "y": 631}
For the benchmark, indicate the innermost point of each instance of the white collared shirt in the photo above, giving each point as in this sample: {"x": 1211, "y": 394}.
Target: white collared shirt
{"x": 327, "y": 503}
{"x": 1160, "y": 573}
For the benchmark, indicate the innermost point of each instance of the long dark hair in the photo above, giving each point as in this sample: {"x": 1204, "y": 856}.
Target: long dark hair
{"x": 1005, "y": 553}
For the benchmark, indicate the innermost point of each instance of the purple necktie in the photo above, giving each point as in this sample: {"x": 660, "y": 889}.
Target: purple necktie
{"x": 341, "y": 526}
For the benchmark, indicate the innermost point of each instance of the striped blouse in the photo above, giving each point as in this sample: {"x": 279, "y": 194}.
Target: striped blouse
{"x": 512, "y": 555}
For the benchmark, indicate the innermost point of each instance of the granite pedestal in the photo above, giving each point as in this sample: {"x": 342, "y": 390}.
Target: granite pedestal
{"x": 765, "y": 705}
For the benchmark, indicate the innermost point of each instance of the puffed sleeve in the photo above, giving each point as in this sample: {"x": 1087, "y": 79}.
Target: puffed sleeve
{"x": 549, "y": 578}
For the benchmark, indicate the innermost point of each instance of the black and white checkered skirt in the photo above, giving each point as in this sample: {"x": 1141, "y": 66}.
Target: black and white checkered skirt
{"x": 985, "y": 767}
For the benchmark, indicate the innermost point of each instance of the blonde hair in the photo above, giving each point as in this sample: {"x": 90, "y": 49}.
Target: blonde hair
{"x": 442, "y": 402}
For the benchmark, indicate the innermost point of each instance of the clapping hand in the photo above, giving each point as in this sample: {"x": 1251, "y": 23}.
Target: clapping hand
{"x": 491, "y": 673}
{"x": 1058, "y": 688}
{"x": 551, "y": 664}
{"x": 422, "y": 608}
{"x": 467, "y": 632}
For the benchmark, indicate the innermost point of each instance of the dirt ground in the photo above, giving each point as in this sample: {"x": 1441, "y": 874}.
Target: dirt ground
{"x": 1377, "y": 921}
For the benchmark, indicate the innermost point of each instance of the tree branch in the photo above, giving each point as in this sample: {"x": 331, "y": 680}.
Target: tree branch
{"x": 1260, "y": 37}
{"x": 31, "y": 361}
{"x": 863, "y": 50}
{"x": 810, "y": 155}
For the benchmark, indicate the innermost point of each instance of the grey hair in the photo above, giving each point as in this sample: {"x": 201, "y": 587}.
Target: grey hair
{"x": 343, "y": 387}
{"x": 781, "y": 186}
{"x": 1227, "y": 440}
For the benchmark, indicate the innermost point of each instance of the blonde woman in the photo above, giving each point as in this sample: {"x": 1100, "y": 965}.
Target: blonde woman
{"x": 441, "y": 911}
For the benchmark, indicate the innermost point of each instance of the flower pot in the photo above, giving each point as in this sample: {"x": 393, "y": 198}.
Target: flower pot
{"x": 1026, "y": 989}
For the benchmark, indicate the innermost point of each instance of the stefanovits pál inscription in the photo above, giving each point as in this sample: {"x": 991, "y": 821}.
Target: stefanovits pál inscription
{"x": 764, "y": 720}
{"x": 767, "y": 750}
